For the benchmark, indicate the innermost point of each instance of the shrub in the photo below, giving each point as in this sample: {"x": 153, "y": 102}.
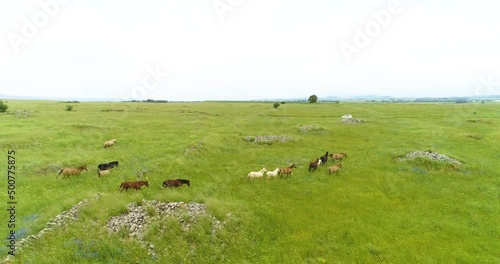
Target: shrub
{"x": 313, "y": 99}
{"x": 276, "y": 105}
{"x": 69, "y": 108}
{"x": 3, "y": 107}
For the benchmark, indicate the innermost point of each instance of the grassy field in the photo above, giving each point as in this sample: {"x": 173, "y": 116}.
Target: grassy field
{"x": 378, "y": 209}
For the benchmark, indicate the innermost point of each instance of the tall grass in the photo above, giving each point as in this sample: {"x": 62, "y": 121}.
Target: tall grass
{"x": 377, "y": 209}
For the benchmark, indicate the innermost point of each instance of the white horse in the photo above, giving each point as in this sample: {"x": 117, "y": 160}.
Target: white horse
{"x": 273, "y": 173}
{"x": 257, "y": 174}
{"x": 109, "y": 143}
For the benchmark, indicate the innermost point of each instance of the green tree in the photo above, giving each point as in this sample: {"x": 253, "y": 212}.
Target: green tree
{"x": 313, "y": 99}
{"x": 276, "y": 105}
{"x": 69, "y": 107}
{"x": 3, "y": 107}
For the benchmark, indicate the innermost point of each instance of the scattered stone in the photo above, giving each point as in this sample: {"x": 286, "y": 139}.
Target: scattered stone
{"x": 267, "y": 139}
{"x": 354, "y": 121}
{"x": 59, "y": 220}
{"x": 24, "y": 113}
{"x": 308, "y": 128}
{"x": 193, "y": 148}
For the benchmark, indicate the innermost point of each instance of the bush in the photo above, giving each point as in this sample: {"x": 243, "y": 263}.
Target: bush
{"x": 313, "y": 99}
{"x": 3, "y": 107}
{"x": 69, "y": 107}
{"x": 276, "y": 105}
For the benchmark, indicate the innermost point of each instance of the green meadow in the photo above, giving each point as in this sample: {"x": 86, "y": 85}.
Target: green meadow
{"x": 378, "y": 209}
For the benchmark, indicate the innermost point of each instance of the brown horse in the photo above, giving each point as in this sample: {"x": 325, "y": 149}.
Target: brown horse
{"x": 314, "y": 165}
{"x": 176, "y": 183}
{"x": 335, "y": 168}
{"x": 72, "y": 171}
{"x": 287, "y": 171}
{"x": 338, "y": 156}
{"x": 133, "y": 184}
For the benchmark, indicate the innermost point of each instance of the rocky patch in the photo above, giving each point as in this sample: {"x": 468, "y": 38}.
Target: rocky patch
{"x": 136, "y": 221}
{"x": 431, "y": 155}
{"x": 267, "y": 139}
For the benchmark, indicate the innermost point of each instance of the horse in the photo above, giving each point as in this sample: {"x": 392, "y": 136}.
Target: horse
{"x": 176, "y": 183}
{"x": 133, "y": 184}
{"x": 273, "y": 173}
{"x": 103, "y": 172}
{"x": 324, "y": 158}
{"x": 335, "y": 168}
{"x": 287, "y": 171}
{"x": 109, "y": 143}
{"x": 72, "y": 171}
{"x": 107, "y": 166}
{"x": 338, "y": 156}
{"x": 314, "y": 165}
{"x": 256, "y": 174}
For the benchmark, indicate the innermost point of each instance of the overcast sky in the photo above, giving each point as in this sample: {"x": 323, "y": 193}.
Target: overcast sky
{"x": 248, "y": 49}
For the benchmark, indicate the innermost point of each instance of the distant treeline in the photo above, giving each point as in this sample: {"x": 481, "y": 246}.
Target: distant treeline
{"x": 70, "y": 102}
{"x": 149, "y": 101}
{"x": 431, "y": 100}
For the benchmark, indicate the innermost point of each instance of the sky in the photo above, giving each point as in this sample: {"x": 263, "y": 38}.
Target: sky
{"x": 191, "y": 50}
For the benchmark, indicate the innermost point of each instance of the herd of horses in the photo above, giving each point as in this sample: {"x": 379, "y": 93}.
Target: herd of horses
{"x": 313, "y": 165}
{"x": 105, "y": 169}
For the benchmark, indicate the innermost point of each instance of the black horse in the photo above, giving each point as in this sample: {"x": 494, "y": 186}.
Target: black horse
{"x": 106, "y": 166}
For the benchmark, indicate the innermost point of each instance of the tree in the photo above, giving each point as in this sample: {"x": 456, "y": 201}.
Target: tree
{"x": 276, "y": 105}
{"x": 69, "y": 107}
{"x": 313, "y": 99}
{"x": 3, "y": 107}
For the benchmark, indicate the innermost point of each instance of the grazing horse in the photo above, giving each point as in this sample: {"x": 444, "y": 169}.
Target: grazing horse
{"x": 324, "y": 159}
{"x": 287, "y": 171}
{"x": 256, "y": 174}
{"x": 109, "y": 143}
{"x": 338, "y": 156}
{"x": 176, "y": 183}
{"x": 334, "y": 169}
{"x": 107, "y": 166}
{"x": 72, "y": 171}
{"x": 133, "y": 184}
{"x": 273, "y": 173}
{"x": 314, "y": 165}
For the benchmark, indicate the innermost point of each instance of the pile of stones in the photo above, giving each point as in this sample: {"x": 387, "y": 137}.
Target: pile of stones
{"x": 306, "y": 128}
{"x": 431, "y": 155}
{"x": 267, "y": 139}
{"x": 136, "y": 221}
{"x": 354, "y": 121}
